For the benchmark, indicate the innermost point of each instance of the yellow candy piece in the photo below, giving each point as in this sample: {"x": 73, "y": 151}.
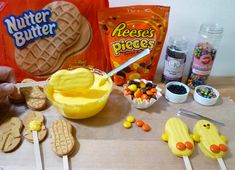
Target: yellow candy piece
{"x": 178, "y": 138}
{"x": 142, "y": 85}
{"x": 126, "y": 124}
{"x": 164, "y": 137}
{"x": 67, "y": 80}
{"x": 196, "y": 137}
{"x": 139, "y": 100}
{"x": 211, "y": 144}
{"x": 35, "y": 125}
{"x": 132, "y": 87}
{"x": 224, "y": 138}
{"x": 130, "y": 119}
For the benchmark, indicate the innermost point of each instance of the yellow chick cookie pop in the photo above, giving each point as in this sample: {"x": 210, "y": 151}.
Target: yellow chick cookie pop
{"x": 210, "y": 142}
{"x": 178, "y": 138}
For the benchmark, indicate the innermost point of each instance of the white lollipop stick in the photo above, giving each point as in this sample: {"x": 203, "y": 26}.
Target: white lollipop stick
{"x": 222, "y": 164}
{"x": 30, "y": 84}
{"x": 187, "y": 163}
{"x": 37, "y": 153}
{"x": 65, "y": 162}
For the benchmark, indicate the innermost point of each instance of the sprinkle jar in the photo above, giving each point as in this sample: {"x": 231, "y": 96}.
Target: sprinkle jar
{"x": 204, "y": 54}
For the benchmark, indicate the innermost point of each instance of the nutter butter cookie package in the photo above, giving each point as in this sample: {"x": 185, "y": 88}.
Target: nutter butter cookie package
{"x": 37, "y": 38}
{"x": 126, "y": 31}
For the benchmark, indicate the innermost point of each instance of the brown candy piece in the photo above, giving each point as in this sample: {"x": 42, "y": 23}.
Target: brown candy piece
{"x": 10, "y": 136}
{"x": 63, "y": 142}
{"x": 34, "y": 96}
{"x": 30, "y": 116}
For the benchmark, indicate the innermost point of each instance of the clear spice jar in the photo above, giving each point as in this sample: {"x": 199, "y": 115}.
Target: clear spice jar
{"x": 204, "y": 54}
{"x": 175, "y": 59}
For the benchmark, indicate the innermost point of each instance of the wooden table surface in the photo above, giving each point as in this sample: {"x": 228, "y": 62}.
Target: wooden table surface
{"x": 104, "y": 144}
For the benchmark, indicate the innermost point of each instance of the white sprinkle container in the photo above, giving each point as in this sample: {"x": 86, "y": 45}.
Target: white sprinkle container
{"x": 203, "y": 100}
{"x": 176, "y": 98}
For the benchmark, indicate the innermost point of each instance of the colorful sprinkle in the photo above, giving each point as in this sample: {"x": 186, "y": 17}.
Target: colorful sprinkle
{"x": 206, "y": 92}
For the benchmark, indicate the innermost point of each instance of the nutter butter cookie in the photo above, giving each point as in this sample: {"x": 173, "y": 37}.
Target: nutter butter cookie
{"x": 32, "y": 119}
{"x": 63, "y": 142}
{"x": 34, "y": 96}
{"x": 10, "y": 134}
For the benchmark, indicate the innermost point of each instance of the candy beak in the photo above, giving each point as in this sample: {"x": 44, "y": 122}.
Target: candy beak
{"x": 208, "y": 127}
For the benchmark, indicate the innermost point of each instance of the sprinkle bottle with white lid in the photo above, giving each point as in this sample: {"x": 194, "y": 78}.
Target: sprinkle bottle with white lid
{"x": 204, "y": 54}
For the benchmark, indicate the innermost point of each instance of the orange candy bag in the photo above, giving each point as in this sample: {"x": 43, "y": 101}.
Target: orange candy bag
{"x": 126, "y": 31}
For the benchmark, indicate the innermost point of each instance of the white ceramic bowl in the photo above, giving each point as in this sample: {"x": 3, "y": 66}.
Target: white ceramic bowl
{"x": 176, "y": 98}
{"x": 205, "y": 101}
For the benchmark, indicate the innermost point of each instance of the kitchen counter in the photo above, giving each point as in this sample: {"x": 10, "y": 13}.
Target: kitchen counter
{"x": 103, "y": 143}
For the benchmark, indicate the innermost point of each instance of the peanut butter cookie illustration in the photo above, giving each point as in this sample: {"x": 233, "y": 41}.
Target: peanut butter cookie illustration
{"x": 44, "y": 56}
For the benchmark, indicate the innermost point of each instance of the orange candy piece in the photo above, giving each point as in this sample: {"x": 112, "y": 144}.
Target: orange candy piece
{"x": 146, "y": 127}
{"x": 189, "y": 145}
{"x": 149, "y": 92}
{"x": 139, "y": 123}
{"x": 215, "y": 148}
{"x": 144, "y": 96}
{"x": 138, "y": 93}
{"x": 153, "y": 90}
{"x": 181, "y": 146}
{"x": 223, "y": 147}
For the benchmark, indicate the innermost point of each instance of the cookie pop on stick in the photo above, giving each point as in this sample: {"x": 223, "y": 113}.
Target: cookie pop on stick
{"x": 210, "y": 142}
{"x": 35, "y": 133}
{"x": 179, "y": 140}
{"x": 63, "y": 142}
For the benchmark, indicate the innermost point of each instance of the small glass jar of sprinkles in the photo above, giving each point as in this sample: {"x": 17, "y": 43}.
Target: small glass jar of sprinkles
{"x": 204, "y": 53}
{"x": 175, "y": 59}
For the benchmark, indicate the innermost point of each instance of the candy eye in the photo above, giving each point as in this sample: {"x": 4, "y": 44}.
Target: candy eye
{"x": 208, "y": 124}
{"x": 204, "y": 125}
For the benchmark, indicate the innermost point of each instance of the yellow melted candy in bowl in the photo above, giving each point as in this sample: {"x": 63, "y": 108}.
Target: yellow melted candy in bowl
{"x": 80, "y": 104}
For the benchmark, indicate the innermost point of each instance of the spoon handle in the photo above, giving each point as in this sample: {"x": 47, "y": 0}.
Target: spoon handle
{"x": 130, "y": 61}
